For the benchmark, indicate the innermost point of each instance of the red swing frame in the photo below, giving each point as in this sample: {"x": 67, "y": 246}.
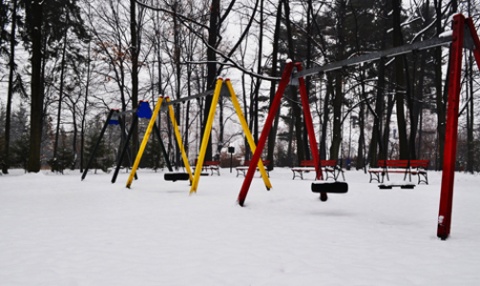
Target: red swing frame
{"x": 285, "y": 80}
{"x": 462, "y": 28}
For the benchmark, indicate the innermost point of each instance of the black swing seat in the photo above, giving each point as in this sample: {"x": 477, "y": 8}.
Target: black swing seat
{"x": 176, "y": 177}
{"x": 402, "y": 186}
{"x": 330, "y": 187}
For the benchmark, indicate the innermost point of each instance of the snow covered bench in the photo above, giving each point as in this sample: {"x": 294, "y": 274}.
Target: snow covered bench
{"x": 330, "y": 169}
{"x": 212, "y": 166}
{"x": 407, "y": 167}
{"x": 243, "y": 169}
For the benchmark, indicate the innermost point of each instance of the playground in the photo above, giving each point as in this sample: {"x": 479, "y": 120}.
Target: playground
{"x": 57, "y": 230}
{"x": 377, "y": 228}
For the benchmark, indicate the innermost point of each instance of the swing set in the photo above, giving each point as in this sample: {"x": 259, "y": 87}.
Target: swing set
{"x": 114, "y": 118}
{"x": 195, "y": 178}
{"x": 171, "y": 176}
{"x": 208, "y": 128}
{"x": 464, "y": 35}
{"x": 319, "y": 186}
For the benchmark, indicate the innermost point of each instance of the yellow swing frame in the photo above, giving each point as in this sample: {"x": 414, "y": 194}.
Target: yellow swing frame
{"x": 208, "y": 129}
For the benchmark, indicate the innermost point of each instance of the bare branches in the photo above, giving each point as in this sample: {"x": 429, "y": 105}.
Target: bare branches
{"x": 197, "y": 29}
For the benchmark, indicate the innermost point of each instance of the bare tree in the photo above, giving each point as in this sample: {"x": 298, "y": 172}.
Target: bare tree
{"x": 11, "y": 83}
{"x": 34, "y": 10}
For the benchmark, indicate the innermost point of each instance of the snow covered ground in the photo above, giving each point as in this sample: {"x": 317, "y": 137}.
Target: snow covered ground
{"x": 59, "y": 230}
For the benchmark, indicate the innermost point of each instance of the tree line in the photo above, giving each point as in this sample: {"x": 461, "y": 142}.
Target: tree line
{"x": 65, "y": 64}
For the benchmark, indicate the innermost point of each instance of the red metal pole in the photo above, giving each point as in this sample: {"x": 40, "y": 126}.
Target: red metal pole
{"x": 308, "y": 123}
{"x": 451, "y": 128}
{"x": 287, "y": 72}
{"x": 310, "y": 131}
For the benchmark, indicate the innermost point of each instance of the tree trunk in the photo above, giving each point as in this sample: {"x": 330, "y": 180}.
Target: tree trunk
{"x": 338, "y": 95}
{"x": 361, "y": 124}
{"x": 134, "y": 51}
{"x": 256, "y": 92}
{"x": 400, "y": 89}
{"x": 291, "y": 92}
{"x": 85, "y": 107}
{"x": 326, "y": 114}
{"x": 35, "y": 14}
{"x": 178, "y": 69}
{"x": 246, "y": 111}
{"x": 309, "y": 62}
{"x": 440, "y": 101}
{"x": 386, "y": 131}
{"x": 6, "y": 151}
{"x": 470, "y": 116}
{"x": 470, "y": 110}
{"x": 211, "y": 68}
{"x": 3, "y": 19}
{"x": 417, "y": 107}
{"x": 60, "y": 94}
{"x": 272, "y": 137}
{"x": 361, "y": 139}
{"x": 376, "y": 144}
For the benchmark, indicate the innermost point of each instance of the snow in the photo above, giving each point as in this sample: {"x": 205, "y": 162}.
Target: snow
{"x": 59, "y": 230}
{"x": 448, "y": 33}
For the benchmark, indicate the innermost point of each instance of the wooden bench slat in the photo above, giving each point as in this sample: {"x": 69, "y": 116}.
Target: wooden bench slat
{"x": 213, "y": 166}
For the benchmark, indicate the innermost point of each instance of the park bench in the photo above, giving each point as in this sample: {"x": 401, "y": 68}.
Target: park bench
{"x": 406, "y": 167}
{"x": 330, "y": 169}
{"x": 212, "y": 166}
{"x": 243, "y": 168}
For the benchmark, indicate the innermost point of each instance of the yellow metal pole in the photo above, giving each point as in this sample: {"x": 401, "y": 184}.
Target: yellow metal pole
{"x": 206, "y": 135}
{"x": 179, "y": 140}
{"x": 247, "y": 132}
{"x": 144, "y": 141}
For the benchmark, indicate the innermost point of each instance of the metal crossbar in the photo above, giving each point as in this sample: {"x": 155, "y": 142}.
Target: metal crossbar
{"x": 183, "y": 99}
{"x": 418, "y": 46}
{"x": 223, "y": 93}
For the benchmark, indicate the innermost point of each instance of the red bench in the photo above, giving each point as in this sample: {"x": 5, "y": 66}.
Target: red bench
{"x": 330, "y": 169}
{"x": 212, "y": 166}
{"x": 406, "y": 167}
{"x": 243, "y": 169}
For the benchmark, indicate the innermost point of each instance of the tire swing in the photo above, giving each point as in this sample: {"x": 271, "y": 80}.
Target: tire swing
{"x": 324, "y": 187}
{"x": 176, "y": 176}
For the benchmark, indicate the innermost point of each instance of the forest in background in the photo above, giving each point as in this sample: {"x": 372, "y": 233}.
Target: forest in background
{"x": 65, "y": 64}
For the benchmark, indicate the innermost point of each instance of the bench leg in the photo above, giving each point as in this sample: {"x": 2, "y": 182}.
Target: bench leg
{"x": 375, "y": 176}
{"x": 420, "y": 180}
{"x": 409, "y": 173}
{"x": 325, "y": 172}
{"x": 383, "y": 176}
{"x": 336, "y": 173}
{"x": 330, "y": 174}
{"x": 339, "y": 171}
{"x": 300, "y": 174}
